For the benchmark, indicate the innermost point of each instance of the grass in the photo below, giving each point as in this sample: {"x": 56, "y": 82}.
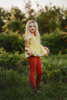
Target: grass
{"x": 15, "y": 85}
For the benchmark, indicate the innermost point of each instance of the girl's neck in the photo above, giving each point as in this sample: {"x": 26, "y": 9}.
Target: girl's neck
{"x": 33, "y": 33}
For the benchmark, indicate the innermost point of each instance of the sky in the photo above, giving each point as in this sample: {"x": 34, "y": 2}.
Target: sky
{"x": 7, "y": 4}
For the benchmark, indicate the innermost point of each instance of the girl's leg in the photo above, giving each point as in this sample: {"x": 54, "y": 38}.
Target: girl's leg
{"x": 39, "y": 71}
{"x": 32, "y": 66}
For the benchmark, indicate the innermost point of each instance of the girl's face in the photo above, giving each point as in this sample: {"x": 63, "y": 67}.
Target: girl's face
{"x": 32, "y": 27}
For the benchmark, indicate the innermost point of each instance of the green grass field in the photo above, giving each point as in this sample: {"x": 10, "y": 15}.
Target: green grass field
{"x": 15, "y": 85}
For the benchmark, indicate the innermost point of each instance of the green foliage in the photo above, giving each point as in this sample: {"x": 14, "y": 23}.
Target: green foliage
{"x": 56, "y": 42}
{"x": 54, "y": 68}
{"x": 8, "y": 61}
{"x": 12, "y": 61}
{"x": 64, "y": 20}
{"x": 14, "y": 24}
{"x": 12, "y": 42}
{"x": 18, "y": 13}
{"x": 15, "y": 84}
{"x": 51, "y": 18}
{"x": 46, "y": 17}
{"x": 12, "y": 85}
{"x": 10, "y": 39}
{"x": 2, "y": 13}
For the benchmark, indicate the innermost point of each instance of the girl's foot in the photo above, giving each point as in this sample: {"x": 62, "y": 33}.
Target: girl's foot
{"x": 39, "y": 88}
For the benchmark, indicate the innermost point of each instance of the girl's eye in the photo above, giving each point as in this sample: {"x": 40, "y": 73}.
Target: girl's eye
{"x": 30, "y": 26}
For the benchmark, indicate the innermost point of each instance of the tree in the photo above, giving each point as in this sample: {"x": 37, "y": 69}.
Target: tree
{"x": 49, "y": 19}
{"x": 14, "y": 22}
{"x": 64, "y": 21}
{"x": 29, "y": 11}
{"x": 2, "y": 13}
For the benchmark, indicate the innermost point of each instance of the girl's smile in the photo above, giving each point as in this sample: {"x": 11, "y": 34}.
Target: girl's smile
{"x": 32, "y": 27}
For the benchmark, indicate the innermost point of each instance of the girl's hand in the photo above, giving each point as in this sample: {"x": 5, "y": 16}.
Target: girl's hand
{"x": 30, "y": 52}
{"x": 48, "y": 51}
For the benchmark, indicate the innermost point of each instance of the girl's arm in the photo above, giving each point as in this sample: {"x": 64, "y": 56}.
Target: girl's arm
{"x": 48, "y": 51}
{"x": 27, "y": 47}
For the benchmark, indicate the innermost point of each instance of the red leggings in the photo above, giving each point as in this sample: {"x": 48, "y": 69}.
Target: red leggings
{"x": 35, "y": 65}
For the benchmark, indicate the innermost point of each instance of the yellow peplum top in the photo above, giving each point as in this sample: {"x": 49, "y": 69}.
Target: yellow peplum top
{"x": 35, "y": 46}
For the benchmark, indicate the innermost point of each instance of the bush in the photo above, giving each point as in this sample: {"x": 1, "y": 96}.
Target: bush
{"x": 56, "y": 42}
{"x": 14, "y": 61}
{"x": 54, "y": 68}
{"x": 8, "y": 61}
{"x": 12, "y": 42}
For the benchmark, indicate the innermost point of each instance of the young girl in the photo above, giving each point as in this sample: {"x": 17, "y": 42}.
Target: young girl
{"x": 33, "y": 51}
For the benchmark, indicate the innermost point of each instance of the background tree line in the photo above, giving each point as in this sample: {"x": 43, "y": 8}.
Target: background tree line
{"x": 51, "y": 20}
{"x": 46, "y": 17}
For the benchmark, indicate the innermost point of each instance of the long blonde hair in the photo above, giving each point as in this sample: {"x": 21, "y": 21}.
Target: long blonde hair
{"x": 28, "y": 32}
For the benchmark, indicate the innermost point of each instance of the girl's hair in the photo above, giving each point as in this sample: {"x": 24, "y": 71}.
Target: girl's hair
{"x": 28, "y": 32}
